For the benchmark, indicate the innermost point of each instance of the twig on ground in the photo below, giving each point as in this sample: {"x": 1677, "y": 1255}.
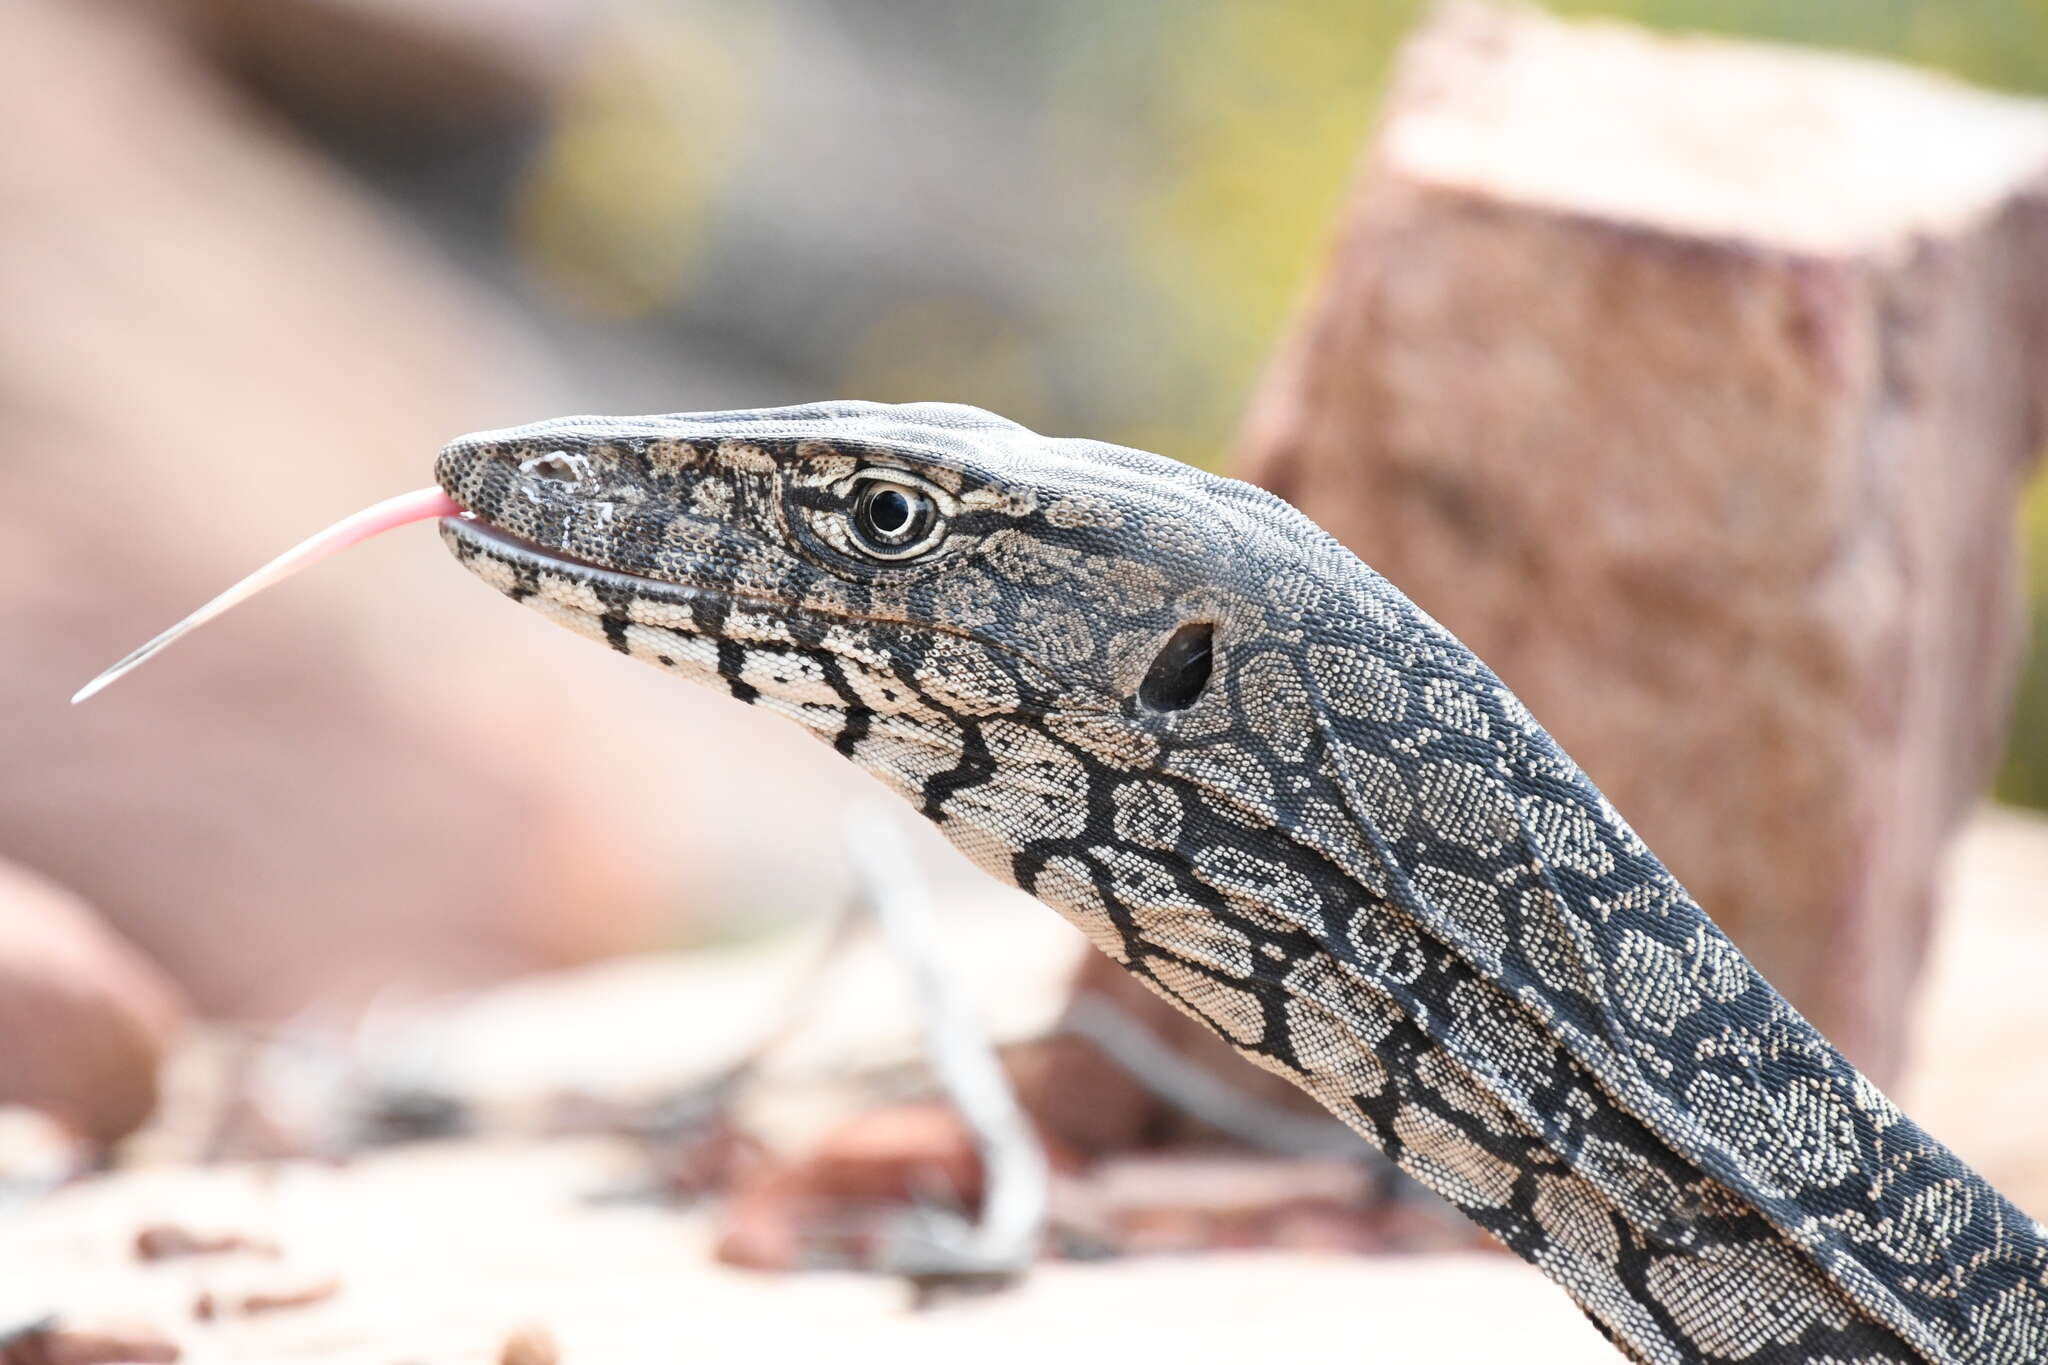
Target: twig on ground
{"x": 945, "y": 1248}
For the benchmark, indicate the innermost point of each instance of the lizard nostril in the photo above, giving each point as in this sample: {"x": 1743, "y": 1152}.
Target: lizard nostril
{"x": 556, "y": 466}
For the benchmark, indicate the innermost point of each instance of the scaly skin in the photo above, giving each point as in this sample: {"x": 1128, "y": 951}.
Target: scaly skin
{"x": 1352, "y": 854}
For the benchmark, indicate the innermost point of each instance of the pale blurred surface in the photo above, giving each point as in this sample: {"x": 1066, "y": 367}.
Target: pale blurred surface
{"x": 496, "y": 1238}
{"x": 1979, "y": 1073}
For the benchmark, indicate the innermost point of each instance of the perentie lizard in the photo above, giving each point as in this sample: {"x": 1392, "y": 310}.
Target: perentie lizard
{"x": 1262, "y": 780}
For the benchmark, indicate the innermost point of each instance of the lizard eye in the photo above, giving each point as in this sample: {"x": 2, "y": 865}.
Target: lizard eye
{"x": 893, "y": 520}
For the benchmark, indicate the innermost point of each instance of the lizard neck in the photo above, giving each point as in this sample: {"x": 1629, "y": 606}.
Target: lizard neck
{"x": 1446, "y": 936}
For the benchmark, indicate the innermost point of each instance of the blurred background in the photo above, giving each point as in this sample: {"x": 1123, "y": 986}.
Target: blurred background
{"x": 260, "y": 258}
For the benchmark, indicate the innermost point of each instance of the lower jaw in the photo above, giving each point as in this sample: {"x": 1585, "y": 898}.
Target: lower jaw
{"x": 471, "y": 539}
{"x": 482, "y": 537}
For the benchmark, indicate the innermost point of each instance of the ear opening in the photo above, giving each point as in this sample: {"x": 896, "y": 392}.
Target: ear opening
{"x": 1180, "y": 673}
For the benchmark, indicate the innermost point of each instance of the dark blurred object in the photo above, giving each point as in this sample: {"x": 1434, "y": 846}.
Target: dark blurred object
{"x": 1694, "y": 385}
{"x": 338, "y": 795}
{"x": 61, "y": 1343}
{"x": 174, "y": 1241}
{"x": 264, "y": 1295}
{"x": 99, "y": 1017}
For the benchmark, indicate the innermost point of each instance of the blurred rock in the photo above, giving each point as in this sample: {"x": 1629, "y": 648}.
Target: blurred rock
{"x": 899, "y": 1153}
{"x": 345, "y": 793}
{"x": 532, "y": 1344}
{"x": 762, "y": 1226}
{"x": 100, "y": 1017}
{"x": 1080, "y": 1095}
{"x": 1692, "y": 384}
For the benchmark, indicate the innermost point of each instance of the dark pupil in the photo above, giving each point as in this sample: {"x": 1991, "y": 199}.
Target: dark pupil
{"x": 890, "y": 514}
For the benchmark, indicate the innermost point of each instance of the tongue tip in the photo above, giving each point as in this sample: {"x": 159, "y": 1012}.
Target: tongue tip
{"x": 423, "y": 504}
{"x": 96, "y": 686}
{"x": 132, "y": 660}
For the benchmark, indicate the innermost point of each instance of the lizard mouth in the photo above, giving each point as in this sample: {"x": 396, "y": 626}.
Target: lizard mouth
{"x": 472, "y": 538}
{"x": 474, "y": 530}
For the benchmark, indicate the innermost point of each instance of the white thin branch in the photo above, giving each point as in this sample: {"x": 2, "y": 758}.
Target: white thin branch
{"x": 1018, "y": 1181}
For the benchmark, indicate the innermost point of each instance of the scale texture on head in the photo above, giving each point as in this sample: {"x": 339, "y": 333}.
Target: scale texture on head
{"x": 1256, "y": 775}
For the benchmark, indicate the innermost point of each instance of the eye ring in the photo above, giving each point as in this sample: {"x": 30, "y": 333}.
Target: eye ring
{"x": 893, "y": 520}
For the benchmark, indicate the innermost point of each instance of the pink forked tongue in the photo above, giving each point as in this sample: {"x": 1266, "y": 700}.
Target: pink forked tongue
{"x": 422, "y": 505}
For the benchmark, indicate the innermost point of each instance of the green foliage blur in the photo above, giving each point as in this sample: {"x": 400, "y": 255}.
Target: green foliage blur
{"x": 1220, "y": 135}
{"x": 2024, "y": 778}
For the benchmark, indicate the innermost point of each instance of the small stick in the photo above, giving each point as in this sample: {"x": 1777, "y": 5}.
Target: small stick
{"x": 1018, "y": 1183}
{"x": 398, "y": 511}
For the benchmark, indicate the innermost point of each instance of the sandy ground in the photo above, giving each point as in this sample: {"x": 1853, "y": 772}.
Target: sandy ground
{"x": 443, "y": 1253}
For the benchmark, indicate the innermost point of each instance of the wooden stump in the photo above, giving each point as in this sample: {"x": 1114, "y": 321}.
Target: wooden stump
{"x": 1693, "y": 384}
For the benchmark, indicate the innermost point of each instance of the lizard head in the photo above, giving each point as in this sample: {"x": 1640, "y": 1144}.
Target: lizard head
{"x": 992, "y": 621}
